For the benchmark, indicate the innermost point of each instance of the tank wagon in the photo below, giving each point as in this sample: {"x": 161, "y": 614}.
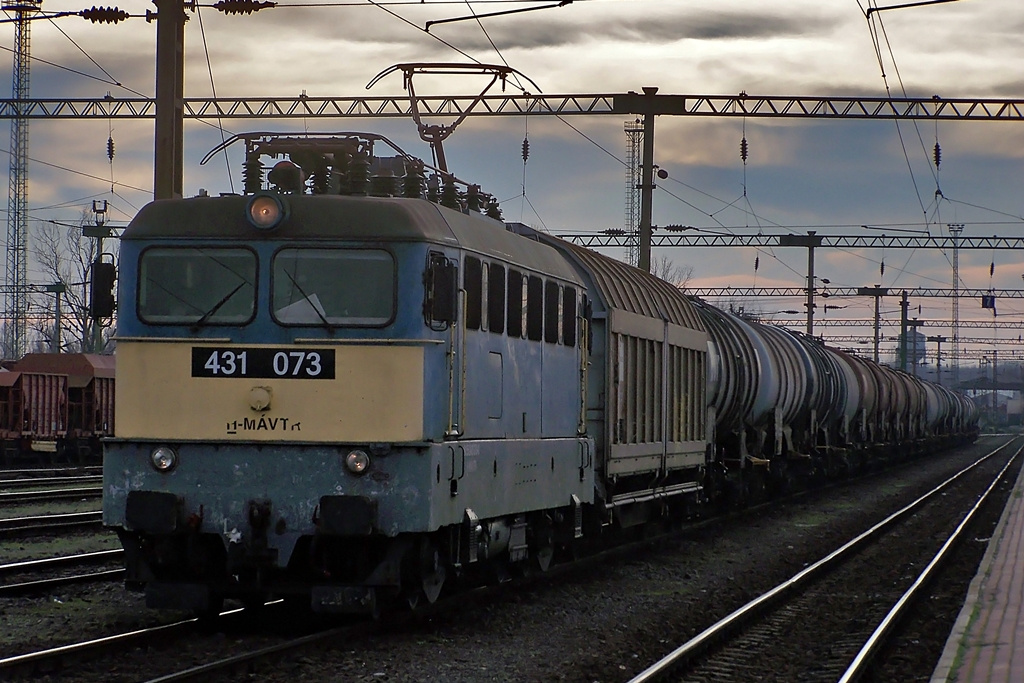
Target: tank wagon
{"x": 348, "y": 399}
{"x": 786, "y": 407}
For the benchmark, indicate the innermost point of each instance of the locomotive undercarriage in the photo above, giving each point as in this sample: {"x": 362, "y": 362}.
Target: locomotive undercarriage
{"x": 332, "y": 573}
{"x": 750, "y": 475}
{"x": 418, "y": 518}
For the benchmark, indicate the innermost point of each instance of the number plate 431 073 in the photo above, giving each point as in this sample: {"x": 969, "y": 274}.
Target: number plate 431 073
{"x": 261, "y": 363}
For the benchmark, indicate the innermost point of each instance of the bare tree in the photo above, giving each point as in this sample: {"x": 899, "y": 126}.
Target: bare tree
{"x": 671, "y": 273}
{"x": 64, "y": 255}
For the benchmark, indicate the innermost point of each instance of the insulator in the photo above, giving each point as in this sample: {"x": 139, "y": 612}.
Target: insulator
{"x": 414, "y": 181}
{"x": 450, "y": 194}
{"x": 757, "y": 263}
{"x": 104, "y": 15}
{"x": 110, "y": 149}
{"x": 474, "y": 202}
{"x": 937, "y": 155}
{"x": 743, "y": 149}
{"x": 526, "y": 149}
{"x": 881, "y": 269}
{"x": 252, "y": 175}
{"x": 359, "y": 175}
{"x": 493, "y": 210}
{"x": 241, "y": 6}
{"x": 992, "y": 269}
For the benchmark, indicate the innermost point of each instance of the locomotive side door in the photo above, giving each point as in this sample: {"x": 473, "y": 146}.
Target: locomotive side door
{"x": 441, "y": 311}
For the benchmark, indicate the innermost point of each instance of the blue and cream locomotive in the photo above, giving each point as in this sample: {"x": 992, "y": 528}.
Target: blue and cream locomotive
{"x": 353, "y": 387}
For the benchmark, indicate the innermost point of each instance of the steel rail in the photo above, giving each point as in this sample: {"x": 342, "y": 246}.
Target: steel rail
{"x": 871, "y": 647}
{"x": 30, "y": 661}
{"x": 49, "y": 471}
{"x": 61, "y": 561}
{"x": 48, "y": 481}
{"x": 55, "y": 657}
{"x": 50, "y": 494}
{"x": 10, "y": 526}
{"x": 42, "y": 585}
{"x": 704, "y": 640}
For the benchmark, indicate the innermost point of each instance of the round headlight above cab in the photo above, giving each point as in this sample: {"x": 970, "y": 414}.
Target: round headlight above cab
{"x": 163, "y": 459}
{"x": 265, "y": 211}
{"x": 357, "y": 461}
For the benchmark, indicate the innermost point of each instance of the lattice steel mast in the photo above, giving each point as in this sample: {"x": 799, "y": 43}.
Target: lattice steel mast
{"x": 634, "y": 160}
{"x": 16, "y": 300}
{"x": 955, "y": 229}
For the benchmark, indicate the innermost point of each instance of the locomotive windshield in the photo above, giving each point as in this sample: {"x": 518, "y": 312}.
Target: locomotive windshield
{"x": 197, "y": 285}
{"x": 330, "y": 287}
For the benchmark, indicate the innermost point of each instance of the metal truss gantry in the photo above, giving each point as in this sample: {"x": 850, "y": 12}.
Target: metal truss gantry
{"x": 731, "y": 106}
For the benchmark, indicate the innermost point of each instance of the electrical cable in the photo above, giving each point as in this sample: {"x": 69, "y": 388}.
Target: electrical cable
{"x": 213, "y": 89}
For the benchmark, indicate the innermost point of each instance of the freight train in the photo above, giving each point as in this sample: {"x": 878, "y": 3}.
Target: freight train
{"x": 55, "y": 408}
{"x": 339, "y": 391}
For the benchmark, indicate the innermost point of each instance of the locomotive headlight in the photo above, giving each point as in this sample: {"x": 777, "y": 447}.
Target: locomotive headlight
{"x": 265, "y": 211}
{"x": 164, "y": 459}
{"x": 357, "y": 462}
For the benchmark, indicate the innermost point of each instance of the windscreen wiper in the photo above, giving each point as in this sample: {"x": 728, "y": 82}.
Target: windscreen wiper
{"x": 216, "y": 307}
{"x": 327, "y": 323}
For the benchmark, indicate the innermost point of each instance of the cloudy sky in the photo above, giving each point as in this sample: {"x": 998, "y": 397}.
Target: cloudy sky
{"x": 800, "y": 175}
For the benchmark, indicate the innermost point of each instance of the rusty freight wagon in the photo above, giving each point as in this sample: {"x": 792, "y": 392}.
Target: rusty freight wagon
{"x": 90, "y": 399}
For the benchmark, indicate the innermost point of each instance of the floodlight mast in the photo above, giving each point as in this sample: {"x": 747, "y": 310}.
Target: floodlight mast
{"x": 17, "y": 212}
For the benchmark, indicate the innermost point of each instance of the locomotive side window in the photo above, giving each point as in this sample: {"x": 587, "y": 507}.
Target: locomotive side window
{"x": 515, "y": 304}
{"x": 551, "y": 316}
{"x": 569, "y": 316}
{"x": 472, "y": 282}
{"x": 524, "y": 297}
{"x": 440, "y": 302}
{"x": 333, "y": 287}
{"x": 496, "y": 298}
{"x": 197, "y": 286}
{"x": 534, "y": 308}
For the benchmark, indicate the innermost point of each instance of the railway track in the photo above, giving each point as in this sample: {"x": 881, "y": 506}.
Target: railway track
{"x": 853, "y": 580}
{"x": 200, "y": 659}
{"x": 78, "y": 493}
{"x": 32, "y": 482}
{"x": 14, "y": 527}
{"x": 58, "y": 564}
{"x": 42, "y": 472}
{"x": 56, "y": 658}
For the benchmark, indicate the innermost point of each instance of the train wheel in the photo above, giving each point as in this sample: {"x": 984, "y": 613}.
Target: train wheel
{"x": 255, "y": 603}
{"x": 544, "y": 556}
{"x": 414, "y": 597}
{"x": 432, "y": 571}
{"x": 214, "y": 606}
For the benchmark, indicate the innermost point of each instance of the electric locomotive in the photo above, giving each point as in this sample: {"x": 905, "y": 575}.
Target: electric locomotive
{"x": 350, "y": 388}
{"x": 340, "y": 398}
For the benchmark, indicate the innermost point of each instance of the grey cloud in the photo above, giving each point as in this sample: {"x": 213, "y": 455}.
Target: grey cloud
{"x": 649, "y": 29}
{"x": 559, "y": 28}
